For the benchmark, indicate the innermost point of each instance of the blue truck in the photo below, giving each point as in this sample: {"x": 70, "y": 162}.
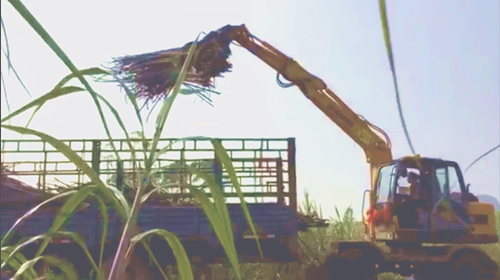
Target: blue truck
{"x": 264, "y": 167}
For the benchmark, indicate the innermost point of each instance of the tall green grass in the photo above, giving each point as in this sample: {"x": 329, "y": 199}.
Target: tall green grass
{"x": 317, "y": 243}
{"x": 104, "y": 194}
{"x": 107, "y": 195}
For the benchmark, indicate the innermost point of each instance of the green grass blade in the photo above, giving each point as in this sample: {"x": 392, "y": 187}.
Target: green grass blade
{"x": 132, "y": 97}
{"x": 41, "y": 100}
{"x": 17, "y": 248}
{"x": 218, "y": 225}
{"x": 337, "y": 212}
{"x": 11, "y": 67}
{"x": 71, "y": 235}
{"x": 5, "y": 92}
{"x": 180, "y": 254}
{"x": 153, "y": 258}
{"x": 81, "y": 242}
{"x": 33, "y": 115}
{"x": 103, "y": 209}
{"x": 16, "y": 261}
{"x": 124, "y": 129}
{"x": 94, "y": 71}
{"x": 387, "y": 40}
{"x": 117, "y": 200}
{"x": 58, "y": 91}
{"x": 218, "y": 197}
{"x": 7, "y": 236}
{"x": 161, "y": 119}
{"x": 38, "y": 28}
{"x": 122, "y": 126}
{"x": 146, "y": 196}
{"x": 68, "y": 270}
{"x": 167, "y": 104}
{"x": 224, "y": 158}
{"x": 65, "y": 212}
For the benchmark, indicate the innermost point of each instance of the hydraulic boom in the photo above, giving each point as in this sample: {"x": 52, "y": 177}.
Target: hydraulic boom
{"x": 373, "y": 140}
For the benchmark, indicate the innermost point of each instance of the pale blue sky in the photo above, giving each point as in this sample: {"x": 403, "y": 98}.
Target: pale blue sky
{"x": 447, "y": 59}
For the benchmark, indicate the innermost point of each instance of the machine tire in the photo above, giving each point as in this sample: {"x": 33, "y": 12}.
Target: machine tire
{"x": 351, "y": 264}
{"x": 474, "y": 266}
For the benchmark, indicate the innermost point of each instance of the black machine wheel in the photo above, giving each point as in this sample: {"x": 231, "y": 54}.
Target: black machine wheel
{"x": 474, "y": 266}
{"x": 352, "y": 264}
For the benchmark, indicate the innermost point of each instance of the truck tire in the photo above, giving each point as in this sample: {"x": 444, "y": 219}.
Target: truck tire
{"x": 351, "y": 264}
{"x": 474, "y": 266}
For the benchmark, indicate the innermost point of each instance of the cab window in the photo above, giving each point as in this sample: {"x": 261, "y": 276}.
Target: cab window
{"x": 449, "y": 184}
{"x": 385, "y": 183}
{"x": 454, "y": 184}
{"x": 404, "y": 181}
{"x": 443, "y": 182}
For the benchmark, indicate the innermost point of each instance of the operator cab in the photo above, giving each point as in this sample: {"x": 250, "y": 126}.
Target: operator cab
{"x": 425, "y": 195}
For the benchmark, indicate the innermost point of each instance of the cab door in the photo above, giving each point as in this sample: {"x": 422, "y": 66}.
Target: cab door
{"x": 449, "y": 217}
{"x": 381, "y": 212}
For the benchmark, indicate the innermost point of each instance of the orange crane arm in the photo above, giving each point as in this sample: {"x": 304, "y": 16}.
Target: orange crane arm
{"x": 373, "y": 140}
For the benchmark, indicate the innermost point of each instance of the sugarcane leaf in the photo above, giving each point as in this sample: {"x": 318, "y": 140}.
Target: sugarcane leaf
{"x": 16, "y": 261}
{"x": 118, "y": 201}
{"x": 7, "y": 236}
{"x": 167, "y": 104}
{"x": 219, "y": 226}
{"x": 68, "y": 270}
{"x": 65, "y": 212}
{"x": 180, "y": 254}
{"x": 224, "y": 158}
{"x": 38, "y": 28}
{"x": 94, "y": 71}
{"x": 41, "y": 100}
{"x": 71, "y": 235}
{"x": 153, "y": 258}
{"x": 103, "y": 210}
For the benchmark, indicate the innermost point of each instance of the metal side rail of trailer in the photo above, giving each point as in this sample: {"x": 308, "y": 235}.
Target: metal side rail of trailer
{"x": 265, "y": 169}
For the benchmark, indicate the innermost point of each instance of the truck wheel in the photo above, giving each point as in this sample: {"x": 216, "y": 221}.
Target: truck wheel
{"x": 352, "y": 264}
{"x": 474, "y": 266}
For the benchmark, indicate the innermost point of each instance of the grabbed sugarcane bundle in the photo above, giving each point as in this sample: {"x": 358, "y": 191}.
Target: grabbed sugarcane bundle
{"x": 153, "y": 75}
